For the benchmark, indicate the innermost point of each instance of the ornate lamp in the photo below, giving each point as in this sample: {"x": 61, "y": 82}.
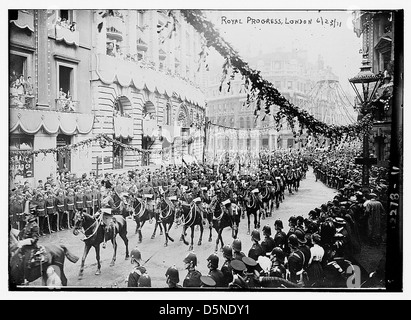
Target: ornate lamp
{"x": 365, "y": 85}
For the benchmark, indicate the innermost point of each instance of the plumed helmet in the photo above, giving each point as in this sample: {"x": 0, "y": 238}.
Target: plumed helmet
{"x": 213, "y": 259}
{"x": 236, "y": 245}
{"x": 227, "y": 251}
{"x": 255, "y": 235}
{"x": 136, "y": 255}
{"x": 172, "y": 274}
{"x": 278, "y": 253}
{"x": 293, "y": 240}
{"x": 278, "y": 224}
{"x": 267, "y": 230}
{"x": 144, "y": 280}
{"x": 191, "y": 257}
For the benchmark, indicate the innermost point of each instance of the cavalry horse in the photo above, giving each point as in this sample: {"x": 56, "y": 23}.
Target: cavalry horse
{"x": 120, "y": 206}
{"x": 190, "y": 217}
{"x": 95, "y": 232}
{"x": 165, "y": 218}
{"x": 141, "y": 214}
{"x": 54, "y": 256}
{"x": 267, "y": 199}
{"x": 219, "y": 218}
{"x": 252, "y": 207}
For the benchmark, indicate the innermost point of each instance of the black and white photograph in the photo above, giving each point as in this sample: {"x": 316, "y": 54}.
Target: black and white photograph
{"x": 212, "y": 150}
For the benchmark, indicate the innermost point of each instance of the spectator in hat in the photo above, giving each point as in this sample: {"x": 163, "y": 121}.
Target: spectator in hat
{"x": 375, "y": 213}
{"x": 295, "y": 263}
{"x": 302, "y": 245}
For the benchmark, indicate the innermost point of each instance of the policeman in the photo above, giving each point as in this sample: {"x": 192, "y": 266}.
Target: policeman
{"x": 144, "y": 280}
{"x": 302, "y": 246}
{"x": 268, "y": 243}
{"x": 138, "y": 269}
{"x": 277, "y": 257}
{"x": 237, "y": 253}
{"x": 172, "y": 277}
{"x": 192, "y": 278}
{"x": 295, "y": 263}
{"x": 216, "y": 274}
{"x": 226, "y": 268}
{"x": 256, "y": 250}
{"x": 280, "y": 238}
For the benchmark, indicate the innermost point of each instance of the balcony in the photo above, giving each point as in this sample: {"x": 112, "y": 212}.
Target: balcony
{"x": 22, "y": 101}
{"x": 66, "y": 105}
{"x": 115, "y": 28}
{"x": 67, "y": 33}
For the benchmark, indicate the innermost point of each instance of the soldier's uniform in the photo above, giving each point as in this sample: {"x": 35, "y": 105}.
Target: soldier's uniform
{"x": 30, "y": 231}
{"x": 134, "y": 276}
{"x": 51, "y": 211}
{"x": 60, "y": 208}
{"x": 295, "y": 265}
{"x": 70, "y": 204}
{"x": 79, "y": 200}
{"x": 41, "y": 212}
{"x": 88, "y": 200}
{"x": 268, "y": 244}
{"x": 96, "y": 199}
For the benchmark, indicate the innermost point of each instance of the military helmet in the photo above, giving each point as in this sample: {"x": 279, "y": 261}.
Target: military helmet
{"x": 279, "y": 224}
{"x": 144, "y": 280}
{"x": 293, "y": 220}
{"x": 172, "y": 274}
{"x": 191, "y": 257}
{"x": 213, "y": 259}
{"x": 278, "y": 253}
{"x": 267, "y": 230}
{"x": 255, "y": 235}
{"x": 300, "y": 236}
{"x": 236, "y": 245}
{"x": 227, "y": 251}
{"x": 136, "y": 255}
{"x": 293, "y": 240}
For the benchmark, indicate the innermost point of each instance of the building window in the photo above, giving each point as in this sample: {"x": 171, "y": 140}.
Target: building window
{"x": 118, "y": 154}
{"x": 63, "y": 157}
{"x": 140, "y": 19}
{"x": 22, "y": 165}
{"x": 167, "y": 115}
{"x": 65, "y": 80}
{"x": 21, "y": 85}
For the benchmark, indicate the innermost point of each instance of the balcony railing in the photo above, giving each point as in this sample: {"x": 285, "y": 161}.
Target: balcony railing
{"x": 23, "y": 101}
{"x": 66, "y": 105}
{"x": 115, "y": 28}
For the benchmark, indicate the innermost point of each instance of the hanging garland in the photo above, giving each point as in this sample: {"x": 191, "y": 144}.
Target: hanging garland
{"x": 262, "y": 90}
{"x": 103, "y": 141}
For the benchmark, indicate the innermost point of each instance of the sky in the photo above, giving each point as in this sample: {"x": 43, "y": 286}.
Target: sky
{"x": 336, "y": 43}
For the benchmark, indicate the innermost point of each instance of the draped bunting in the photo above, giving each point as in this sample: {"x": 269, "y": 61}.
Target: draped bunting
{"x": 31, "y": 121}
{"x": 149, "y": 127}
{"x": 126, "y": 73}
{"x": 123, "y": 127}
{"x": 68, "y": 36}
{"x": 24, "y": 20}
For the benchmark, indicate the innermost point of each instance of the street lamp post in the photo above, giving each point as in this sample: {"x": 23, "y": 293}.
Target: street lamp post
{"x": 365, "y": 85}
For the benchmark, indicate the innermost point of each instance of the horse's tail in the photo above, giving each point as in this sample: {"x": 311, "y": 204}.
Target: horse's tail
{"x": 71, "y": 257}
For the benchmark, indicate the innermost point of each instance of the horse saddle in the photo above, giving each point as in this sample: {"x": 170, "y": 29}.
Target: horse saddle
{"x": 37, "y": 257}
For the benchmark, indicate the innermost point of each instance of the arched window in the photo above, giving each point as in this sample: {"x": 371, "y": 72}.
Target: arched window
{"x": 241, "y": 122}
{"x": 167, "y": 115}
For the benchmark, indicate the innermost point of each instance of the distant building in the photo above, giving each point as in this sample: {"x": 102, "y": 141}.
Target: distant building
{"x": 75, "y": 74}
{"x": 294, "y": 77}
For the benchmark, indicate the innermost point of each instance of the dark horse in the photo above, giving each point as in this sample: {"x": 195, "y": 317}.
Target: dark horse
{"x": 141, "y": 214}
{"x": 219, "y": 218}
{"x": 165, "y": 218}
{"x": 120, "y": 207}
{"x": 253, "y": 207}
{"x": 190, "y": 217}
{"x": 267, "y": 199}
{"x": 54, "y": 255}
{"x": 95, "y": 232}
